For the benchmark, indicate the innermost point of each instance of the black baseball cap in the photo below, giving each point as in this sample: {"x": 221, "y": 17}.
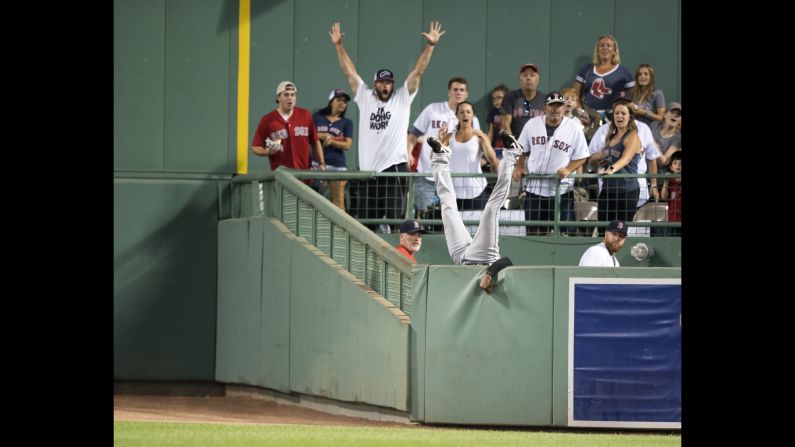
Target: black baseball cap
{"x": 412, "y": 226}
{"x": 621, "y": 98}
{"x": 337, "y": 92}
{"x": 384, "y": 75}
{"x": 554, "y": 97}
{"x": 617, "y": 226}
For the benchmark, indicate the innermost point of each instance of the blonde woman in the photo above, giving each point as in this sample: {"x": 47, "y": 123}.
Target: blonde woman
{"x": 600, "y": 82}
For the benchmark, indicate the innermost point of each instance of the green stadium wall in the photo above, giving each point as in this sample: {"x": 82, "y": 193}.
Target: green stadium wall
{"x": 298, "y": 322}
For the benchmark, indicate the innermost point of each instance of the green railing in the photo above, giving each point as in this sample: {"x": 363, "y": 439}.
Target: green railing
{"x": 251, "y": 205}
{"x": 335, "y": 233}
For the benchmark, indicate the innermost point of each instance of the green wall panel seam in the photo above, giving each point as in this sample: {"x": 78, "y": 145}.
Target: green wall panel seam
{"x": 165, "y": 63}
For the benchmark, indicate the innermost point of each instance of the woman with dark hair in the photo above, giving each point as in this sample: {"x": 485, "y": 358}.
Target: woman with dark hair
{"x": 619, "y": 197}
{"x": 334, "y": 133}
{"x": 468, "y": 145}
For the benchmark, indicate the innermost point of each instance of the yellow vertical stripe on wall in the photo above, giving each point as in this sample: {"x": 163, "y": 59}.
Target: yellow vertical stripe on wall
{"x": 243, "y": 45}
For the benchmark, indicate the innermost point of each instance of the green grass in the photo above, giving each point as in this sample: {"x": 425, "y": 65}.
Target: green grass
{"x": 239, "y": 435}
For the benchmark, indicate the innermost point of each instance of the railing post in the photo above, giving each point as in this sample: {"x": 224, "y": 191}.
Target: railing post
{"x": 257, "y": 197}
{"x": 409, "y": 198}
{"x": 556, "y": 224}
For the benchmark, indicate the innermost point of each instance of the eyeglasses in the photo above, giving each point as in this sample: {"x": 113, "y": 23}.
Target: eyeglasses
{"x": 497, "y": 97}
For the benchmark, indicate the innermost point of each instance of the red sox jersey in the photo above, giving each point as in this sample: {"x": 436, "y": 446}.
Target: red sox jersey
{"x": 548, "y": 154}
{"x": 600, "y": 90}
{"x": 297, "y": 133}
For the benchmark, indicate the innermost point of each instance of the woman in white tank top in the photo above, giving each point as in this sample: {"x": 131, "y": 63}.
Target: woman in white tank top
{"x": 467, "y": 145}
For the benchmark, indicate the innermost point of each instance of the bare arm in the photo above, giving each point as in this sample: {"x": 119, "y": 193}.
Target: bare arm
{"x": 343, "y": 143}
{"x": 578, "y": 91}
{"x": 321, "y": 160}
{"x": 652, "y": 164}
{"x": 444, "y": 136}
{"x": 411, "y": 141}
{"x": 505, "y": 122}
{"x": 648, "y": 113}
{"x": 659, "y": 115}
{"x": 432, "y": 37}
{"x": 488, "y": 151}
{"x": 671, "y": 150}
{"x": 631, "y": 147}
{"x": 348, "y": 69}
{"x": 597, "y": 157}
{"x": 271, "y": 148}
{"x": 571, "y": 167}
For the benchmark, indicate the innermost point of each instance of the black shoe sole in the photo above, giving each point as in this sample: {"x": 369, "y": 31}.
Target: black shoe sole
{"x": 435, "y": 145}
{"x": 508, "y": 139}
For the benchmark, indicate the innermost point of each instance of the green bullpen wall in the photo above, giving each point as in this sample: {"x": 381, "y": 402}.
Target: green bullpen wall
{"x": 560, "y": 251}
{"x": 164, "y": 279}
{"x": 175, "y": 116}
{"x": 290, "y": 319}
{"x": 495, "y": 359}
{"x": 174, "y": 68}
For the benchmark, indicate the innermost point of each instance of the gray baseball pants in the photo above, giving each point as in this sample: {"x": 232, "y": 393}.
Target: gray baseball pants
{"x": 484, "y": 248}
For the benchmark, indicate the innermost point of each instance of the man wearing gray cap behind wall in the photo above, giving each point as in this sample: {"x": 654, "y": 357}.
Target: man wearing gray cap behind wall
{"x": 383, "y": 125}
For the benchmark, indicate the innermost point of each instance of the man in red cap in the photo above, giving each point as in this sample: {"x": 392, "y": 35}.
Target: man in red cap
{"x": 527, "y": 102}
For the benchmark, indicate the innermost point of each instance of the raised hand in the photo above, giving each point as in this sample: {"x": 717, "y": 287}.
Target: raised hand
{"x": 444, "y": 136}
{"x": 336, "y": 34}
{"x": 434, "y": 34}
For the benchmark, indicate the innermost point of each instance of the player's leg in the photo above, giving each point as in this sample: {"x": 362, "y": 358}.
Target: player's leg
{"x": 456, "y": 234}
{"x": 485, "y": 245}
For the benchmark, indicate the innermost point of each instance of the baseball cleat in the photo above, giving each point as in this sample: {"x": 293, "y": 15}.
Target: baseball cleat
{"x": 508, "y": 140}
{"x": 438, "y": 147}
